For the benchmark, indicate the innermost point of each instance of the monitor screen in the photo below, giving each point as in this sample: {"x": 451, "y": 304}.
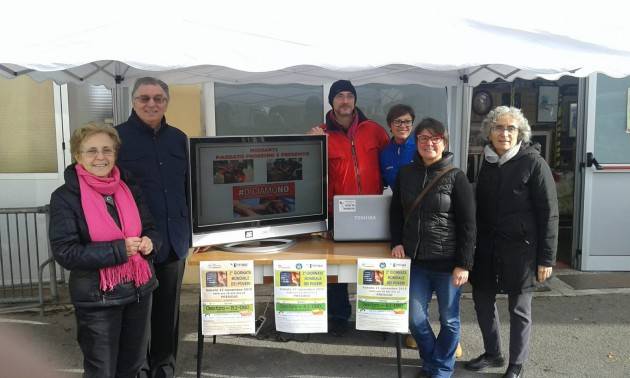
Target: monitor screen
{"x": 257, "y": 187}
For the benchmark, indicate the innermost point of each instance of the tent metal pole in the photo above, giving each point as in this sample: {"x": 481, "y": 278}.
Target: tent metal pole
{"x": 7, "y": 70}
{"x": 76, "y": 77}
{"x": 505, "y": 76}
{"x": 14, "y": 73}
{"x": 466, "y": 95}
{"x": 208, "y": 109}
{"x": 118, "y": 93}
{"x": 98, "y": 69}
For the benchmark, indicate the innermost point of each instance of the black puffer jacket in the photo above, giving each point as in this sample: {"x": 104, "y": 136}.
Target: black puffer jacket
{"x": 73, "y": 249}
{"x": 440, "y": 233}
{"x": 517, "y": 221}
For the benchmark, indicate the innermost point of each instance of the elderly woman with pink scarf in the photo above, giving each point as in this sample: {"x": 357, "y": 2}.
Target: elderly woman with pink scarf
{"x": 103, "y": 233}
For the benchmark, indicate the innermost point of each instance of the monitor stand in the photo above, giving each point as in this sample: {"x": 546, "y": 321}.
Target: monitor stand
{"x": 258, "y": 246}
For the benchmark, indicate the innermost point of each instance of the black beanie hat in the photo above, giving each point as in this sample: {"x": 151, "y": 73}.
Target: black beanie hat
{"x": 341, "y": 86}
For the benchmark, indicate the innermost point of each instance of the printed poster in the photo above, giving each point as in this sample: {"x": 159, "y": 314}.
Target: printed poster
{"x": 263, "y": 199}
{"x": 383, "y": 295}
{"x": 227, "y": 297}
{"x": 300, "y": 296}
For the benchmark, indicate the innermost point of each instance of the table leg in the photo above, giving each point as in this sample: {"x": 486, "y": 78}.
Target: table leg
{"x": 398, "y": 360}
{"x": 199, "y": 341}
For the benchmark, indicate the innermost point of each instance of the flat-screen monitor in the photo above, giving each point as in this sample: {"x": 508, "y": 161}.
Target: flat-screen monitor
{"x": 246, "y": 188}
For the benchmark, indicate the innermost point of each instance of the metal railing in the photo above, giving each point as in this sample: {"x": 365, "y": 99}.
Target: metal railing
{"x": 24, "y": 256}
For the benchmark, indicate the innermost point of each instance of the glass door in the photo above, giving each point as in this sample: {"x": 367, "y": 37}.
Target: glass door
{"x": 606, "y": 165}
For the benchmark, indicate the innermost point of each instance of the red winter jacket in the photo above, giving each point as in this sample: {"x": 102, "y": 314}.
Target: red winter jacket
{"x": 353, "y": 164}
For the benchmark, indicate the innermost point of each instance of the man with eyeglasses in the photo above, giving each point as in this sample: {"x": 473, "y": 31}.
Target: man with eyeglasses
{"x": 156, "y": 153}
{"x": 401, "y": 149}
{"x": 354, "y": 144}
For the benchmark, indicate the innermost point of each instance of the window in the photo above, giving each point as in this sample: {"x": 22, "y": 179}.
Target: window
{"x": 376, "y": 99}
{"x": 184, "y": 109}
{"x": 612, "y": 144}
{"x": 89, "y": 103}
{"x": 27, "y": 126}
{"x": 267, "y": 109}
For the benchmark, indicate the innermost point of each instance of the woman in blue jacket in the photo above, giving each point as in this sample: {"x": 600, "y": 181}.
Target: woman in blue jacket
{"x": 401, "y": 149}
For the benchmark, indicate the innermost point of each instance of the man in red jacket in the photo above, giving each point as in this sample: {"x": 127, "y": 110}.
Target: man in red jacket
{"x": 354, "y": 144}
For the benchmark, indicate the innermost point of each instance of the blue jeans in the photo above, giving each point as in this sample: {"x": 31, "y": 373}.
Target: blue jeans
{"x": 437, "y": 353}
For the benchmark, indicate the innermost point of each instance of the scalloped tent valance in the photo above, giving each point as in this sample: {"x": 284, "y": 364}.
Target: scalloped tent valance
{"x": 275, "y": 42}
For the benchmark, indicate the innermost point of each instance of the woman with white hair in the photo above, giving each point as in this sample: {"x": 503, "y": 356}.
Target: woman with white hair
{"x": 517, "y": 235}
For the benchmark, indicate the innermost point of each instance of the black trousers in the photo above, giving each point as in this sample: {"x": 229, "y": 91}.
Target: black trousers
{"x": 165, "y": 318}
{"x": 114, "y": 339}
{"x": 520, "y": 308}
{"x": 338, "y": 302}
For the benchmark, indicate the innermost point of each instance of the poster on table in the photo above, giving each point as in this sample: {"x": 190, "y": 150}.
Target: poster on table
{"x": 227, "y": 297}
{"x": 300, "y": 296}
{"x": 383, "y": 295}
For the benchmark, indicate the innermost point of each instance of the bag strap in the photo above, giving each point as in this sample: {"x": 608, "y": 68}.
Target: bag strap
{"x": 482, "y": 158}
{"x": 426, "y": 189}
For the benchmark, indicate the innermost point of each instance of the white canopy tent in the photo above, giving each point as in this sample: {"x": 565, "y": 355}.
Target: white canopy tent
{"x": 446, "y": 43}
{"x": 281, "y": 41}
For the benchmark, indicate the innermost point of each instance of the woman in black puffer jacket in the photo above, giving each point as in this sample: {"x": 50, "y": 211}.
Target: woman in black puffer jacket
{"x": 438, "y": 236}
{"x": 103, "y": 233}
{"x": 517, "y": 222}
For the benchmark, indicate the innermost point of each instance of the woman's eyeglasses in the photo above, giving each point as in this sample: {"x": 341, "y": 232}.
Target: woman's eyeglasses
{"x": 423, "y": 139}
{"x": 501, "y": 129}
{"x": 93, "y": 152}
{"x": 402, "y": 123}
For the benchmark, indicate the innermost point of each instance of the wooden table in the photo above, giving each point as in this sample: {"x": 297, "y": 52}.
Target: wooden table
{"x": 341, "y": 260}
{"x": 341, "y": 257}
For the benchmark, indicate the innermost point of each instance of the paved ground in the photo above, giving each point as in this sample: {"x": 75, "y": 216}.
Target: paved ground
{"x": 583, "y": 333}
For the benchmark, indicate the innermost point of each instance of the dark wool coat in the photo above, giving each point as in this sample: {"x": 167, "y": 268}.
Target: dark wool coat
{"x": 517, "y": 222}
{"x": 440, "y": 233}
{"x": 159, "y": 161}
{"x": 74, "y": 250}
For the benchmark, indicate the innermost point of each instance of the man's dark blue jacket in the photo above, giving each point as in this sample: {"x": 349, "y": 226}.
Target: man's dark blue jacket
{"x": 159, "y": 161}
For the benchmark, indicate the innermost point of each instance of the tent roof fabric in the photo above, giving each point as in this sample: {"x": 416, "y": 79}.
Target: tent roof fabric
{"x": 274, "y": 42}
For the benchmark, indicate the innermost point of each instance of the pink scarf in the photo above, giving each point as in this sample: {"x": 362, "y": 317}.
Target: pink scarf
{"x": 103, "y": 228}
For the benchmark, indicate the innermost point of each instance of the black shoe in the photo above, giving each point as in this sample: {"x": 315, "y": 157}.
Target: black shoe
{"x": 484, "y": 361}
{"x": 514, "y": 371}
{"x": 285, "y": 336}
{"x": 338, "y": 327}
{"x": 423, "y": 374}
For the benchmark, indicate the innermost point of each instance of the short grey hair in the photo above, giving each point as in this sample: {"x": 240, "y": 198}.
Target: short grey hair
{"x": 524, "y": 130}
{"x": 150, "y": 81}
